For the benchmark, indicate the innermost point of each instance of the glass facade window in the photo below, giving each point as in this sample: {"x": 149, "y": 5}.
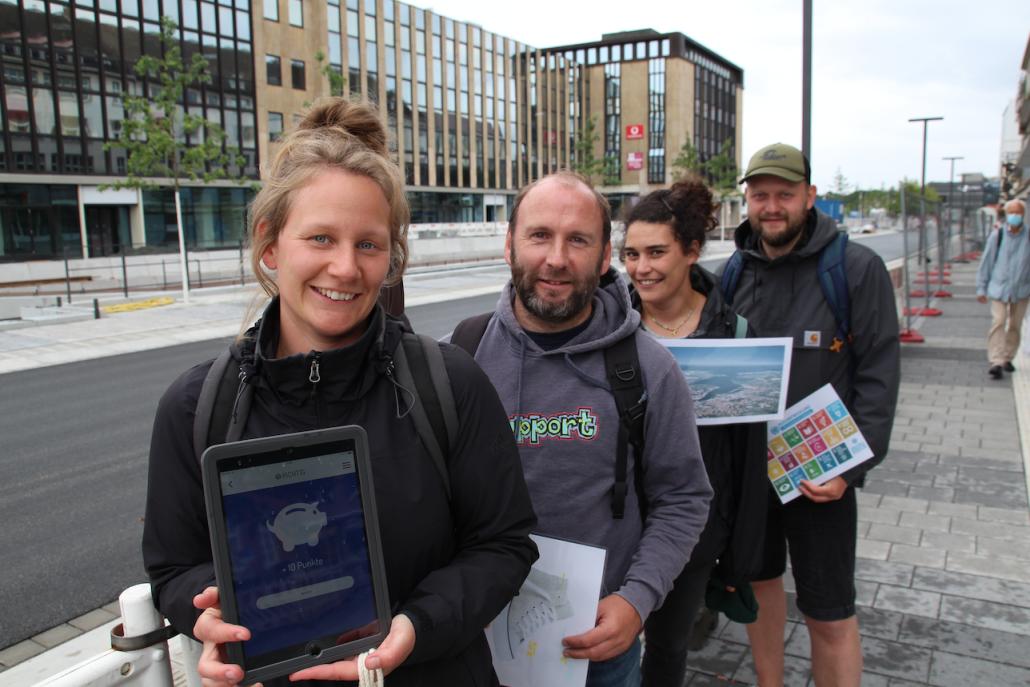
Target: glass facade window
{"x": 297, "y": 76}
{"x": 656, "y": 121}
{"x": 296, "y": 12}
{"x": 275, "y": 126}
{"x": 273, "y": 70}
{"x": 613, "y": 118}
{"x": 271, "y": 8}
{"x": 38, "y": 221}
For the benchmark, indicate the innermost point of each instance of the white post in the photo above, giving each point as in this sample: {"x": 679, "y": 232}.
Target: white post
{"x": 182, "y": 250}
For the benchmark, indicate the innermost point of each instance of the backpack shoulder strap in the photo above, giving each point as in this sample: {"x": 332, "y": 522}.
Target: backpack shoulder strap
{"x": 731, "y": 275}
{"x": 213, "y": 419}
{"x": 740, "y": 332}
{"x": 833, "y": 280}
{"x": 622, "y": 366}
{"x": 419, "y": 366}
{"x": 469, "y": 332}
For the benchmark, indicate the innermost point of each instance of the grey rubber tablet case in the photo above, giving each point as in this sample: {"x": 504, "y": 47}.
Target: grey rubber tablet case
{"x": 296, "y": 529}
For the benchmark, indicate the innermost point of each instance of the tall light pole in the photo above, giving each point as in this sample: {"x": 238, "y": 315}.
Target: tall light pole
{"x": 951, "y": 205}
{"x": 927, "y": 310}
{"x": 806, "y": 82}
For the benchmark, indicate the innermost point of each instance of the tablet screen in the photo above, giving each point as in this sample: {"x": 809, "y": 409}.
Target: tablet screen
{"x": 298, "y": 552}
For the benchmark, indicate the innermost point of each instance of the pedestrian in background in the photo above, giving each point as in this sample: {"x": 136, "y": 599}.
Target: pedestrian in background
{"x": 1004, "y": 278}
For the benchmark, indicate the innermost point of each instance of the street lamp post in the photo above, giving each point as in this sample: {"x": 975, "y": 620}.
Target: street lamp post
{"x": 927, "y": 311}
{"x": 806, "y": 81}
{"x": 951, "y": 208}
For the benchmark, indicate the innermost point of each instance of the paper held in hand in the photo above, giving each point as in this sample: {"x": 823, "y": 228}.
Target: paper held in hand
{"x": 558, "y": 599}
{"x": 816, "y": 441}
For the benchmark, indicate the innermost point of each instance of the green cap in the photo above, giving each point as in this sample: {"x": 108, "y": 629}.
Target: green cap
{"x": 780, "y": 160}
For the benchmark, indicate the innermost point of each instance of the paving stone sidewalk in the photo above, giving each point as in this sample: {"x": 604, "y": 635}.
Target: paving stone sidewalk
{"x": 943, "y": 573}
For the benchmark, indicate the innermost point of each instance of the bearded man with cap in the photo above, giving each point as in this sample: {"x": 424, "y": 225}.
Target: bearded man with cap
{"x": 777, "y": 289}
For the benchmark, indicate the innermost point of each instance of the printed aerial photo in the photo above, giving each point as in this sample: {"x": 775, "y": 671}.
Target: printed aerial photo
{"x": 732, "y": 382}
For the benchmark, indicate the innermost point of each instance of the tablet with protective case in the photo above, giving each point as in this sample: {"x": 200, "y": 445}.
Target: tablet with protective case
{"x": 296, "y": 548}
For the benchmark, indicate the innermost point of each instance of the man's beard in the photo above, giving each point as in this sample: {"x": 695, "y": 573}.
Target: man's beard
{"x": 553, "y": 312}
{"x": 784, "y": 238}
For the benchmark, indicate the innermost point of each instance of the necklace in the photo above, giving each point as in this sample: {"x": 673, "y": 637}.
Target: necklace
{"x": 673, "y": 330}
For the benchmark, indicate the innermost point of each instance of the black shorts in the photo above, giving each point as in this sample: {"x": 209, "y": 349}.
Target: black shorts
{"x": 822, "y": 539}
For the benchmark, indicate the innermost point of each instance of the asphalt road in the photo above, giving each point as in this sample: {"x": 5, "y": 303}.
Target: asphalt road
{"x": 73, "y": 469}
{"x": 73, "y": 474}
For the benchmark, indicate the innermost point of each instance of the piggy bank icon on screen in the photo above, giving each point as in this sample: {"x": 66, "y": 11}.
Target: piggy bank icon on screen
{"x": 298, "y": 523}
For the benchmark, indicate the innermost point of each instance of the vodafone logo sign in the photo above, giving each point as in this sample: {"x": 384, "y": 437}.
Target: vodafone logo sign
{"x": 634, "y": 131}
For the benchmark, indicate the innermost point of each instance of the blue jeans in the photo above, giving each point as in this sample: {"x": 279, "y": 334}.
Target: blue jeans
{"x": 621, "y": 671}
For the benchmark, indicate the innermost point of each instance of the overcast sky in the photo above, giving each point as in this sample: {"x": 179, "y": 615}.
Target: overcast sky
{"x": 876, "y": 63}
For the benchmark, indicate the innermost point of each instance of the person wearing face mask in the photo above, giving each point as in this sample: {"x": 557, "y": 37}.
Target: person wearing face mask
{"x": 1004, "y": 278}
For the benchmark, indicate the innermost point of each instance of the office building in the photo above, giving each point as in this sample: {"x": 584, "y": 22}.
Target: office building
{"x": 474, "y": 114}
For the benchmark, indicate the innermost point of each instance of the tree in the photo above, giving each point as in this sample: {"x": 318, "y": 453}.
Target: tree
{"x": 165, "y": 145}
{"x": 840, "y": 183}
{"x": 721, "y": 168}
{"x": 585, "y": 161}
{"x": 688, "y": 162}
{"x": 337, "y": 81}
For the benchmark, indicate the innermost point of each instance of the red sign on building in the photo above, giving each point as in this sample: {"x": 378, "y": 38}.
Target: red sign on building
{"x": 634, "y": 161}
{"x": 634, "y": 131}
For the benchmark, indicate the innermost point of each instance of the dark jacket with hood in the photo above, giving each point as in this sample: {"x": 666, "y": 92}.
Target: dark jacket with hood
{"x": 451, "y": 565}
{"x": 782, "y": 297}
{"x": 566, "y": 424}
{"x": 734, "y": 458}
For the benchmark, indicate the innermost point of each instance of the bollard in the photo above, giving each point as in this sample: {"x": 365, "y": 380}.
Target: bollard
{"x": 67, "y": 280}
{"x": 96, "y": 309}
{"x": 58, "y": 301}
{"x": 164, "y": 276}
{"x": 125, "y": 277}
{"x": 242, "y": 275}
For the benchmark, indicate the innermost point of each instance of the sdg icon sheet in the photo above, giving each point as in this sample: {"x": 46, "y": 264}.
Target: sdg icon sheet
{"x": 816, "y": 441}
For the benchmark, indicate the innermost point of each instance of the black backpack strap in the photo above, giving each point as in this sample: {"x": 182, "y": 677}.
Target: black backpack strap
{"x": 623, "y": 370}
{"x": 731, "y": 276}
{"x": 222, "y": 405}
{"x": 469, "y": 332}
{"x": 419, "y": 366}
{"x": 833, "y": 280}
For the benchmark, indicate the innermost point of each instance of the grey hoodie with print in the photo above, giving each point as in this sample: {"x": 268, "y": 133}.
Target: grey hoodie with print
{"x": 566, "y": 423}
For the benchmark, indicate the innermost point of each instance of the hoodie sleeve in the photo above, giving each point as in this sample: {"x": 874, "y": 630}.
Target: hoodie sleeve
{"x": 876, "y": 359}
{"x": 676, "y": 488}
{"x": 176, "y": 544}
{"x": 493, "y": 517}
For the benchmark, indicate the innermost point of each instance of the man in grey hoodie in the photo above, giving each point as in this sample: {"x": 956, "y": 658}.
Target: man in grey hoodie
{"x": 779, "y": 293}
{"x": 543, "y": 349}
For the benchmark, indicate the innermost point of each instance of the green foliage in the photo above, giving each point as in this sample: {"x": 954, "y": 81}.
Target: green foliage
{"x": 337, "y": 81}
{"x": 721, "y": 169}
{"x": 585, "y": 161}
{"x": 688, "y": 162}
{"x": 156, "y": 127}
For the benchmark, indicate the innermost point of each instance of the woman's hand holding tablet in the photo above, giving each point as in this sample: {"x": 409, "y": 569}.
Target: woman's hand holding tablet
{"x": 397, "y": 646}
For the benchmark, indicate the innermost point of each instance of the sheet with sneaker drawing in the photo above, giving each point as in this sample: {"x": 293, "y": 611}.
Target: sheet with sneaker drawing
{"x": 559, "y": 598}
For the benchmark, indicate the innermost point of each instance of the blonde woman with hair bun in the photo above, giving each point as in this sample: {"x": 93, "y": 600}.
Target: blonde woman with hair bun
{"x": 328, "y": 230}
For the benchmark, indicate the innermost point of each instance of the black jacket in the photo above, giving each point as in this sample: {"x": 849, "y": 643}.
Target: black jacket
{"x": 451, "y": 566}
{"x": 782, "y": 297}
{"x": 734, "y": 457}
